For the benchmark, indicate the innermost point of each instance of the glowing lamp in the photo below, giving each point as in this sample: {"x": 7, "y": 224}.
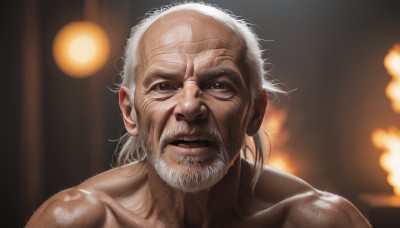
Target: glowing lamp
{"x": 392, "y": 61}
{"x": 81, "y": 48}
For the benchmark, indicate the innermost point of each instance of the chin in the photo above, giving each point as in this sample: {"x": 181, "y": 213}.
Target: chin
{"x": 192, "y": 173}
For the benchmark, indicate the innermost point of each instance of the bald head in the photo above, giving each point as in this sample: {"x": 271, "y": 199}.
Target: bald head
{"x": 203, "y": 15}
{"x": 187, "y": 35}
{"x": 188, "y": 26}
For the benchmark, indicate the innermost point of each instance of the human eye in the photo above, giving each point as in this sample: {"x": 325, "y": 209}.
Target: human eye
{"x": 219, "y": 86}
{"x": 163, "y": 86}
{"x": 220, "y": 89}
{"x": 163, "y": 90}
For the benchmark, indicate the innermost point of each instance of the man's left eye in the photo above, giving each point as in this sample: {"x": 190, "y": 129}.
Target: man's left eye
{"x": 221, "y": 90}
{"x": 219, "y": 85}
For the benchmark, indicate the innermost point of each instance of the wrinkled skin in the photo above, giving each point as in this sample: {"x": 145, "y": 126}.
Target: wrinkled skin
{"x": 192, "y": 77}
{"x": 191, "y": 72}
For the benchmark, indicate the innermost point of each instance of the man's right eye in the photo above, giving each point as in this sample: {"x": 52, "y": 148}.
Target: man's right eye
{"x": 163, "y": 90}
{"x": 164, "y": 87}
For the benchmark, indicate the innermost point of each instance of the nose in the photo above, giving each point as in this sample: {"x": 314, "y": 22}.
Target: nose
{"x": 189, "y": 106}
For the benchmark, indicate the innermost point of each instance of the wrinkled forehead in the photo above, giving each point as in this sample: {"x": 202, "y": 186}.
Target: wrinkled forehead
{"x": 189, "y": 27}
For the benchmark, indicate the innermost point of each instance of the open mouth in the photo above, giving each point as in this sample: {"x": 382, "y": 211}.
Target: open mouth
{"x": 191, "y": 143}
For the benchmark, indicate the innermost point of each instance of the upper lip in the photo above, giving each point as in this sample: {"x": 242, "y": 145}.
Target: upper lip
{"x": 190, "y": 137}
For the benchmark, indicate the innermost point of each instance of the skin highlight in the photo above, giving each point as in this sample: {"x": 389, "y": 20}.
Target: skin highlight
{"x": 193, "y": 77}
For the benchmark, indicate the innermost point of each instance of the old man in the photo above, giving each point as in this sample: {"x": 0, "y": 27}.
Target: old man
{"x": 193, "y": 91}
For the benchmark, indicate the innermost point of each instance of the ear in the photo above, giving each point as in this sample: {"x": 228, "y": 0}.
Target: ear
{"x": 128, "y": 113}
{"x": 260, "y": 104}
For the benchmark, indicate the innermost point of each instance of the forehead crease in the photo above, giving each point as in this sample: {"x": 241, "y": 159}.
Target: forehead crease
{"x": 156, "y": 57}
{"x": 225, "y": 62}
{"x": 206, "y": 55}
{"x": 165, "y": 61}
{"x": 195, "y": 47}
{"x": 216, "y": 53}
{"x": 164, "y": 67}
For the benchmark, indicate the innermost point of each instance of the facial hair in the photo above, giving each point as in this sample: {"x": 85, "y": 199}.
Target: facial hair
{"x": 195, "y": 173}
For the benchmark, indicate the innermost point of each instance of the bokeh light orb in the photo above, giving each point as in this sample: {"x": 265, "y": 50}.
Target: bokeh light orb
{"x": 392, "y": 61}
{"x": 81, "y": 48}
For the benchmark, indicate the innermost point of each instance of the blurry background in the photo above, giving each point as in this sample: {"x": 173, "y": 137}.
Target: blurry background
{"x": 58, "y": 130}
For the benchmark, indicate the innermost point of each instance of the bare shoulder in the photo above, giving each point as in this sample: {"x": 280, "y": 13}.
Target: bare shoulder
{"x": 274, "y": 185}
{"x": 298, "y": 204}
{"x": 70, "y": 208}
{"x": 103, "y": 200}
{"x": 322, "y": 209}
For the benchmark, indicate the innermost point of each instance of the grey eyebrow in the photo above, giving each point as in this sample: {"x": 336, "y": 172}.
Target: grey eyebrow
{"x": 209, "y": 74}
{"x": 154, "y": 75}
{"x": 219, "y": 72}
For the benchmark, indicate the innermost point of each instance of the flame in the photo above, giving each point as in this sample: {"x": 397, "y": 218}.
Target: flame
{"x": 392, "y": 64}
{"x": 274, "y": 120}
{"x": 277, "y": 137}
{"x": 282, "y": 162}
{"x": 389, "y": 141}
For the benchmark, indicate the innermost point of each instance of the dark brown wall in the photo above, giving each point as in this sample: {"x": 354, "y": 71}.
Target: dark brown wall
{"x": 11, "y": 24}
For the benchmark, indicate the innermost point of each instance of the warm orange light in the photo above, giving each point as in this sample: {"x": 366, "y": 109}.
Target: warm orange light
{"x": 389, "y": 141}
{"x": 274, "y": 120}
{"x": 274, "y": 125}
{"x": 393, "y": 92}
{"x": 80, "y": 49}
{"x": 281, "y": 161}
{"x": 392, "y": 64}
{"x": 392, "y": 61}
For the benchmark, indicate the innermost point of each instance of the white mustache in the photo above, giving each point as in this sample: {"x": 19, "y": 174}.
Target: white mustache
{"x": 181, "y": 128}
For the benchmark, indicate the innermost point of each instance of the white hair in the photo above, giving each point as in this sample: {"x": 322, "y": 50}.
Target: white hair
{"x": 130, "y": 149}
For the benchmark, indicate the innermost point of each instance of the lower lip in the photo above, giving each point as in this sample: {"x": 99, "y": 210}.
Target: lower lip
{"x": 189, "y": 151}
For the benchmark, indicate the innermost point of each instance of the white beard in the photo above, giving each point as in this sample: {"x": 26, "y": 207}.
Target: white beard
{"x": 195, "y": 176}
{"x": 195, "y": 173}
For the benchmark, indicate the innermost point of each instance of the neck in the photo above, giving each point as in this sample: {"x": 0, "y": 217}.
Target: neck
{"x": 176, "y": 208}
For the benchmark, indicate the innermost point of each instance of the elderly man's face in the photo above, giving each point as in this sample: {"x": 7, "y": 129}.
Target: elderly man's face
{"x": 191, "y": 98}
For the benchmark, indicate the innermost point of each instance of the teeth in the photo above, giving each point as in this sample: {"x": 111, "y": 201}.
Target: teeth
{"x": 177, "y": 142}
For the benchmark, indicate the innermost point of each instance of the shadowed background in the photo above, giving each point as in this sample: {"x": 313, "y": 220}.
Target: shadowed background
{"x": 57, "y": 130}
